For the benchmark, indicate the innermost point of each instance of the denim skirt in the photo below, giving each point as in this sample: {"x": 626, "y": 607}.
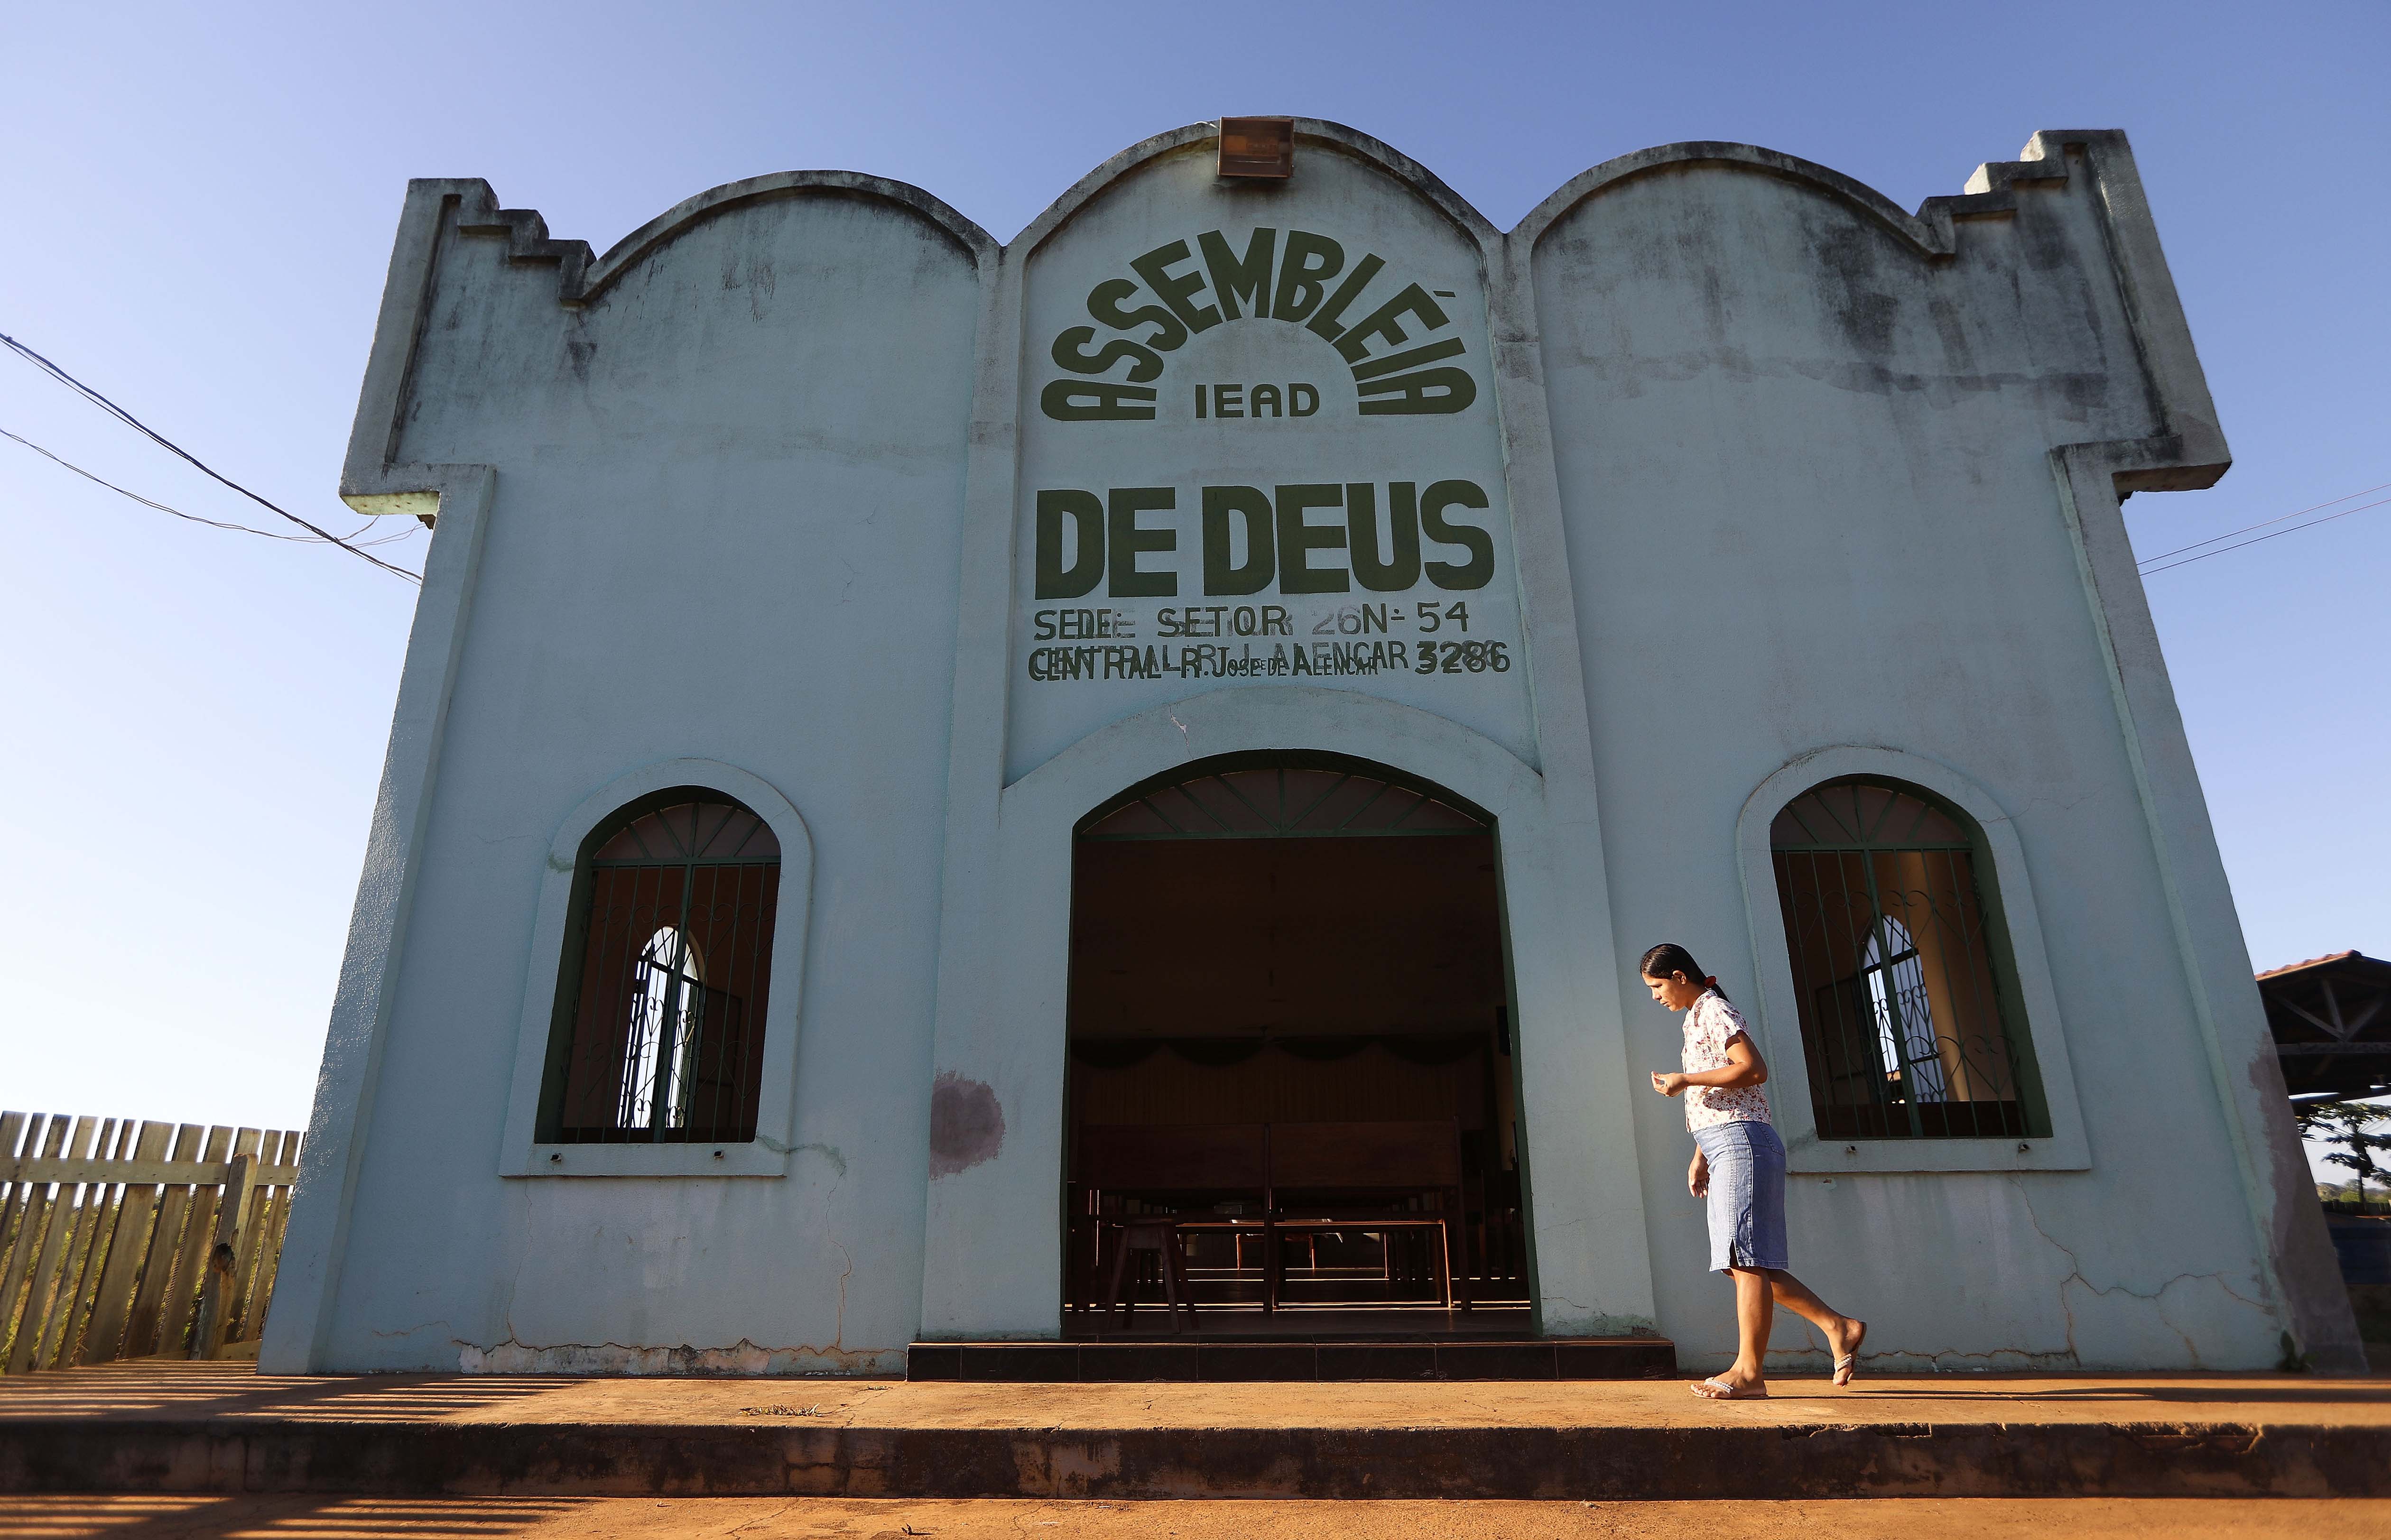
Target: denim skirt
{"x": 1747, "y": 1196}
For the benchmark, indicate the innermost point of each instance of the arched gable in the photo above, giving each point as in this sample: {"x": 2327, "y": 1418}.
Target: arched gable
{"x": 1198, "y": 139}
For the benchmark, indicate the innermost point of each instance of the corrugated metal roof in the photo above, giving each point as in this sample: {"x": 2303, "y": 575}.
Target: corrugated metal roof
{"x": 2315, "y": 962}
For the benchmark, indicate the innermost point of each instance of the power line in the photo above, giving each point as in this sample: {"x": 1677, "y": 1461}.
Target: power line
{"x": 211, "y": 523}
{"x": 120, "y": 415}
{"x": 2147, "y": 563}
{"x": 2204, "y": 556}
{"x": 2147, "y": 567}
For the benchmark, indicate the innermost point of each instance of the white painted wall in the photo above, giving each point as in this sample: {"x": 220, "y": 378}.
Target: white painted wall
{"x": 1176, "y": 196}
{"x": 725, "y": 525}
{"x": 1805, "y": 469}
{"x": 1774, "y": 467}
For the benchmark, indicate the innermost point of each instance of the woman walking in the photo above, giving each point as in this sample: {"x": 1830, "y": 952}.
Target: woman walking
{"x": 1739, "y": 1167}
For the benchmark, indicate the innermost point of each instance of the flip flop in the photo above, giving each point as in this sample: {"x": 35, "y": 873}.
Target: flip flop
{"x": 1715, "y": 1388}
{"x": 1847, "y": 1367}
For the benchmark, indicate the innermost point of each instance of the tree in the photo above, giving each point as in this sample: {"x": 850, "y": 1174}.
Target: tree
{"x": 2363, "y": 1132}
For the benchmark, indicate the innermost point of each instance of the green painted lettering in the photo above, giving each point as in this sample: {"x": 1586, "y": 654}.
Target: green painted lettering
{"x": 1221, "y": 573}
{"x": 1105, "y": 304}
{"x": 1303, "y": 274}
{"x": 1096, "y": 400}
{"x": 1393, "y": 363}
{"x": 1385, "y": 321}
{"x": 1440, "y": 391}
{"x": 1087, "y": 514}
{"x": 1324, "y": 324}
{"x": 1399, "y": 568}
{"x": 1478, "y": 570}
{"x": 1174, "y": 288}
{"x": 1296, "y": 538}
{"x": 1128, "y": 543}
{"x": 1070, "y": 353}
{"x": 1234, "y": 278}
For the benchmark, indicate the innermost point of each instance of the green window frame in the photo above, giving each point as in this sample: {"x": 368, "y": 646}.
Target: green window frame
{"x": 1904, "y": 980}
{"x": 664, "y": 985}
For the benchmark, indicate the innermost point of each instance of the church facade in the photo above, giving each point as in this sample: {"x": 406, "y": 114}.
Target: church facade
{"x": 915, "y": 753}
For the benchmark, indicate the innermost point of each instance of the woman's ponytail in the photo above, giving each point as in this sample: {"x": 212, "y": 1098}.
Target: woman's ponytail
{"x": 1669, "y": 957}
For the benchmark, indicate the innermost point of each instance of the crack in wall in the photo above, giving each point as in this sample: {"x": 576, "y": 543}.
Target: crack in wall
{"x": 522, "y": 1254}
{"x": 2153, "y": 1297}
{"x": 2070, "y": 1356}
{"x": 838, "y": 1163}
{"x": 512, "y": 1356}
{"x": 838, "y": 1321}
{"x": 1592, "y": 1319}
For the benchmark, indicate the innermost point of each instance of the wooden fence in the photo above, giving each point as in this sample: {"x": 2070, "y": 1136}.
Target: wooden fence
{"x": 126, "y": 1240}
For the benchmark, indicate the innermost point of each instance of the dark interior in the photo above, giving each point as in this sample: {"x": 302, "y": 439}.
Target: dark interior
{"x": 1291, "y": 1040}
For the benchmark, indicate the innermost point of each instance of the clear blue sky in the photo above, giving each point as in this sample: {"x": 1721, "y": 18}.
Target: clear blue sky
{"x": 199, "y": 202}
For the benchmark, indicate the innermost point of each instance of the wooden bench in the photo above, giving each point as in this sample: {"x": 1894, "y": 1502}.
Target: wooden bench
{"x": 1305, "y": 1176}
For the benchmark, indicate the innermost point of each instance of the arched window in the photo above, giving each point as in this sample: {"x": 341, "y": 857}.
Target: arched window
{"x": 667, "y": 986}
{"x": 1905, "y": 1011}
{"x": 1896, "y": 967}
{"x": 660, "y": 1020}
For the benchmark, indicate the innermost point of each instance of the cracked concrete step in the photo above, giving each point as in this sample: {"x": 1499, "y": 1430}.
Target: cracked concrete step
{"x": 211, "y": 1428}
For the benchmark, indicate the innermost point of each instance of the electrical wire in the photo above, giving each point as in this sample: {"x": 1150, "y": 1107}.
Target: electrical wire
{"x": 2204, "y": 556}
{"x": 2148, "y": 567}
{"x": 120, "y": 415}
{"x": 2262, "y": 523}
{"x": 211, "y": 523}
{"x": 2149, "y": 562}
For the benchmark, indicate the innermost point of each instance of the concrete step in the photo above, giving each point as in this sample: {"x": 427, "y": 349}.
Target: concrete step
{"x": 1285, "y": 1360}
{"x": 125, "y": 1428}
{"x": 194, "y": 1516}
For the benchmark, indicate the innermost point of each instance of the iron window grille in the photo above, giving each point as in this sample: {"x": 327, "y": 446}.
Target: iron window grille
{"x": 1898, "y": 968}
{"x": 660, "y": 1025}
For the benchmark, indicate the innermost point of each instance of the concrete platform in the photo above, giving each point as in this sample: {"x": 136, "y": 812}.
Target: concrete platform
{"x": 218, "y": 1429}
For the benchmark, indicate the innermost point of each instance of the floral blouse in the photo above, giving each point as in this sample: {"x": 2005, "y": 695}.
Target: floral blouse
{"x": 1709, "y": 1026}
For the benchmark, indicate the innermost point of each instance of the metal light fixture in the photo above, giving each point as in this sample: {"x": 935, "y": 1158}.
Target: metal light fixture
{"x": 1258, "y": 147}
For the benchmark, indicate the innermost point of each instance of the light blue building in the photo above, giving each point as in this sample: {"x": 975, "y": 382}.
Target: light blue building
{"x": 915, "y": 753}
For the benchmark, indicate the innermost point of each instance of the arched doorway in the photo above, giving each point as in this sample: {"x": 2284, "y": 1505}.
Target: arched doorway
{"x": 1290, "y": 1039}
